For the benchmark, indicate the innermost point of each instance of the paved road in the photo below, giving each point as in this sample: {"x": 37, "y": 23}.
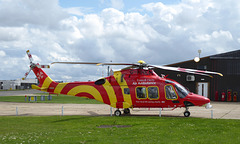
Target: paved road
{"x": 221, "y": 110}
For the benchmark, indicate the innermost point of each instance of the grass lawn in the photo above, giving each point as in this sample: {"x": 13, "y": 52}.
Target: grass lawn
{"x": 127, "y": 129}
{"x": 55, "y": 99}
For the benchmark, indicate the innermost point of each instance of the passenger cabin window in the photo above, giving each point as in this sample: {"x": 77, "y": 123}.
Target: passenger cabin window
{"x": 126, "y": 91}
{"x": 170, "y": 92}
{"x": 141, "y": 92}
{"x": 153, "y": 92}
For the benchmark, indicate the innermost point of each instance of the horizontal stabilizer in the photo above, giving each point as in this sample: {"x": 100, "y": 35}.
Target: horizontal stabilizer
{"x": 39, "y": 88}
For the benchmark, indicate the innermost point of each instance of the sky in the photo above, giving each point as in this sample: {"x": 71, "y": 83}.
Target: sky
{"x": 157, "y": 31}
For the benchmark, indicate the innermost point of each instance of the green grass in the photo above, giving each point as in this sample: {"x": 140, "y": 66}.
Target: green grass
{"x": 84, "y": 129}
{"x": 55, "y": 99}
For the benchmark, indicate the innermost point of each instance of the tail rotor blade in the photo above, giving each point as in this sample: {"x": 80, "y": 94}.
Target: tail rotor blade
{"x": 26, "y": 74}
{"x": 43, "y": 66}
{"x": 29, "y": 56}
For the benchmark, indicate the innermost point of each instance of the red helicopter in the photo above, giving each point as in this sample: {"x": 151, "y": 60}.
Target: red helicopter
{"x": 136, "y": 86}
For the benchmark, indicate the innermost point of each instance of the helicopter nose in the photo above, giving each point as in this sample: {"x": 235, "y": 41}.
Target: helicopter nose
{"x": 204, "y": 100}
{"x": 197, "y": 100}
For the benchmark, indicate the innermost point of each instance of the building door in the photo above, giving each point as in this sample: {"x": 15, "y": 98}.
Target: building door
{"x": 202, "y": 88}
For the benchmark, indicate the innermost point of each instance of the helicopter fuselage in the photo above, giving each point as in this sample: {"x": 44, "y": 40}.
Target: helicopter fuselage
{"x": 131, "y": 88}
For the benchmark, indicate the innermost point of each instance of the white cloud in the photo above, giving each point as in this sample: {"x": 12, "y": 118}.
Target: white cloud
{"x": 226, "y": 35}
{"x": 159, "y": 10}
{"x": 2, "y": 53}
{"x": 75, "y": 11}
{"x": 112, "y": 16}
{"x": 19, "y": 12}
{"x": 156, "y": 33}
{"x": 91, "y": 25}
{"x": 219, "y": 35}
{"x": 200, "y": 38}
{"x": 11, "y": 33}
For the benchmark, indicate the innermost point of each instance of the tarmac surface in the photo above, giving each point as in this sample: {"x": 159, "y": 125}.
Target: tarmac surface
{"x": 220, "y": 110}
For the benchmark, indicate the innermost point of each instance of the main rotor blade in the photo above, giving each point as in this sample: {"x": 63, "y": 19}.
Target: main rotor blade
{"x": 95, "y": 63}
{"x": 193, "y": 71}
{"x": 131, "y": 64}
{"x": 129, "y": 67}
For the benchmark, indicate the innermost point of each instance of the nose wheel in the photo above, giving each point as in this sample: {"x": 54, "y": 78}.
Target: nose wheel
{"x": 186, "y": 113}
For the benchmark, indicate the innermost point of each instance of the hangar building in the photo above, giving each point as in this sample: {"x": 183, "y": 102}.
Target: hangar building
{"x": 17, "y": 84}
{"x": 226, "y": 88}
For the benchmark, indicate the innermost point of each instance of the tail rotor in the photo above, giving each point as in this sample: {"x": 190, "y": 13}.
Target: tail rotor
{"x": 33, "y": 65}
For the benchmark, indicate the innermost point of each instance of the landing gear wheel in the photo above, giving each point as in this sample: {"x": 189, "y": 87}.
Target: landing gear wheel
{"x": 117, "y": 113}
{"x": 186, "y": 113}
{"x": 126, "y": 111}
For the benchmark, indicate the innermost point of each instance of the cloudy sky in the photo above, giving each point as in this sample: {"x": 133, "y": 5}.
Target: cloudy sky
{"x": 156, "y": 31}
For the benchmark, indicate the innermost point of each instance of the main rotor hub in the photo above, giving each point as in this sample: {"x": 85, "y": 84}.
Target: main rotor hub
{"x": 141, "y": 62}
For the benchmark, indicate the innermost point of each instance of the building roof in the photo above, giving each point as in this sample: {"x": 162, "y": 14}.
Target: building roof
{"x": 224, "y": 56}
{"x": 227, "y": 55}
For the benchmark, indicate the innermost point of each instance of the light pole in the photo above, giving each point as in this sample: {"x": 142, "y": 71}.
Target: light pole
{"x": 197, "y": 59}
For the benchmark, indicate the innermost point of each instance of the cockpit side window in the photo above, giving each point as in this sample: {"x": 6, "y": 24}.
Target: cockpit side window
{"x": 170, "y": 92}
{"x": 182, "y": 92}
{"x": 141, "y": 92}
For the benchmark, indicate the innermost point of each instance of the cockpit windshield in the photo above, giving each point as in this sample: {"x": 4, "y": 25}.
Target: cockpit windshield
{"x": 182, "y": 92}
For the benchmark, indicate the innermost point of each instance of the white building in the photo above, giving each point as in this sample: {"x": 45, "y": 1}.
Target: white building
{"x": 17, "y": 84}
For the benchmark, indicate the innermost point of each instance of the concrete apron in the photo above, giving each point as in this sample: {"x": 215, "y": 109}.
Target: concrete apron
{"x": 220, "y": 110}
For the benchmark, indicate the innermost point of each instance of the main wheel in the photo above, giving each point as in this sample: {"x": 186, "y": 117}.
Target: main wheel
{"x": 126, "y": 111}
{"x": 117, "y": 113}
{"x": 186, "y": 113}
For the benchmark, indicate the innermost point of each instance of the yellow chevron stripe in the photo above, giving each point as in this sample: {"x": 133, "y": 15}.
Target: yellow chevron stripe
{"x": 59, "y": 88}
{"x": 123, "y": 84}
{"x": 46, "y": 83}
{"x": 111, "y": 94}
{"x": 87, "y": 89}
{"x": 127, "y": 97}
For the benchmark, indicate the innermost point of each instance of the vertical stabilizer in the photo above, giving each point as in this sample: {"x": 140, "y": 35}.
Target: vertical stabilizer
{"x": 44, "y": 80}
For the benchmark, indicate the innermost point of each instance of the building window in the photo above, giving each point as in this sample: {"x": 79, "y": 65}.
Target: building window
{"x": 153, "y": 92}
{"x": 141, "y": 92}
{"x": 202, "y": 67}
{"x": 170, "y": 92}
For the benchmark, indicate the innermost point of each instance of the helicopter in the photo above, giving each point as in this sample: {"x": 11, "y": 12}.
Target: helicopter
{"x": 135, "y": 86}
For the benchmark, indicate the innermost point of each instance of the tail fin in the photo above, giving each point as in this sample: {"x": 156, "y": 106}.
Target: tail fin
{"x": 45, "y": 82}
